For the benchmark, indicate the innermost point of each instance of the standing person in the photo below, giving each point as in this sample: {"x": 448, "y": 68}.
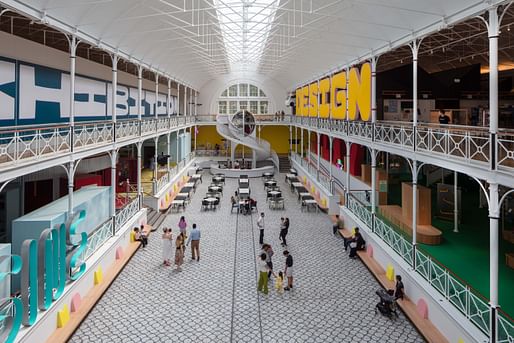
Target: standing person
{"x": 179, "y": 251}
{"x": 166, "y": 237}
{"x": 262, "y": 285}
{"x": 398, "y": 288}
{"x": 170, "y": 246}
{"x": 260, "y": 225}
{"x": 286, "y": 230}
{"x": 284, "y": 226}
{"x": 338, "y": 225}
{"x": 288, "y": 270}
{"x": 443, "y": 118}
{"x": 182, "y": 225}
{"x": 266, "y": 248}
{"x": 194, "y": 238}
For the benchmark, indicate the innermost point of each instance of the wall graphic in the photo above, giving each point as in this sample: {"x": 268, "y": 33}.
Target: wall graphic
{"x": 34, "y": 94}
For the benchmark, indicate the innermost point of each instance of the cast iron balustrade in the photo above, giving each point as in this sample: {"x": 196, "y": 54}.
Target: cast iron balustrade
{"x": 161, "y": 182}
{"x": 97, "y": 238}
{"x": 127, "y": 129}
{"x": 30, "y": 143}
{"x": 460, "y": 295}
{"x": 465, "y": 144}
{"x": 126, "y": 213}
{"x": 25, "y": 144}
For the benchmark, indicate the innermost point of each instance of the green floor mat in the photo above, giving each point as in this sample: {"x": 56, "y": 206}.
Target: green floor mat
{"x": 467, "y": 253}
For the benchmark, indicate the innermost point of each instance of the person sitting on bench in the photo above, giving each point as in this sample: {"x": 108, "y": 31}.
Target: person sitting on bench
{"x": 338, "y": 225}
{"x": 356, "y": 242}
{"x": 398, "y": 290}
{"x": 140, "y": 236}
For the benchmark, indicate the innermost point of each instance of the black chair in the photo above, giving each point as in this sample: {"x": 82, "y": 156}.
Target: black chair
{"x": 205, "y": 205}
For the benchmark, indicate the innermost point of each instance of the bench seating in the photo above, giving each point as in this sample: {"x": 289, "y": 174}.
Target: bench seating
{"x": 94, "y": 295}
{"x": 426, "y": 234}
{"x": 424, "y": 326}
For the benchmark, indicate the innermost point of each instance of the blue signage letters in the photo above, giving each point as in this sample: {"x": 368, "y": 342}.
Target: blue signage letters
{"x": 44, "y": 268}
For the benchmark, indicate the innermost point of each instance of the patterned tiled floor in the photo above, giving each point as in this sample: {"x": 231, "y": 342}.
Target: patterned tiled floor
{"x": 215, "y": 300}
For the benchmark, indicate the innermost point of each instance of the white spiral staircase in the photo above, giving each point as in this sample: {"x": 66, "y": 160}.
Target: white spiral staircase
{"x": 262, "y": 148}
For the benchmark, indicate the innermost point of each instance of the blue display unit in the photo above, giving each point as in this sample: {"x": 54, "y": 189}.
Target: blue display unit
{"x": 93, "y": 199}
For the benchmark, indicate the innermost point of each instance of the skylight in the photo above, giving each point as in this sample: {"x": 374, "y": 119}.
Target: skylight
{"x": 245, "y": 26}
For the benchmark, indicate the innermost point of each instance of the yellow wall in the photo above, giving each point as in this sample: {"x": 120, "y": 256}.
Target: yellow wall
{"x": 207, "y": 134}
{"x": 278, "y": 137}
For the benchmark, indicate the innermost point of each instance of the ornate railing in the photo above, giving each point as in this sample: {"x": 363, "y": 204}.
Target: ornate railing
{"x": 505, "y": 329}
{"x": 6, "y": 311}
{"x": 126, "y": 213}
{"x": 148, "y": 126}
{"x": 33, "y": 144}
{"x": 29, "y": 143}
{"x": 127, "y": 129}
{"x": 161, "y": 182}
{"x": 97, "y": 238}
{"x": 399, "y": 134}
{"x": 162, "y": 124}
{"x": 92, "y": 134}
{"x": 466, "y": 143}
{"x": 505, "y": 152}
{"x": 360, "y": 129}
{"x": 396, "y": 241}
{"x": 472, "y": 305}
{"x": 363, "y": 213}
{"x": 461, "y": 142}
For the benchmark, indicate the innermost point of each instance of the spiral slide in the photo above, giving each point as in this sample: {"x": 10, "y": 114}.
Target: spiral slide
{"x": 230, "y": 132}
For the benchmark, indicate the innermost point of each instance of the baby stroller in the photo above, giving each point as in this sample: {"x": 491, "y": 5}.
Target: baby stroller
{"x": 387, "y": 305}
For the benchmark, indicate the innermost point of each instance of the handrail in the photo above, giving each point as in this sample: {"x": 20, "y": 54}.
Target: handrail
{"x": 462, "y": 296}
{"x": 451, "y": 272}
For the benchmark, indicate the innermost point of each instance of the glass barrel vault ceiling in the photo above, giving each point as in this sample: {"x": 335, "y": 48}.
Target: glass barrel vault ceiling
{"x": 245, "y": 26}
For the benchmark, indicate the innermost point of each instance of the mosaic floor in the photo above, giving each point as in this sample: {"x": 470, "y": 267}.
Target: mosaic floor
{"x": 216, "y": 300}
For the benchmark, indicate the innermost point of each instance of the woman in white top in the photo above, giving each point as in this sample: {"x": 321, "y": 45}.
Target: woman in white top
{"x": 167, "y": 242}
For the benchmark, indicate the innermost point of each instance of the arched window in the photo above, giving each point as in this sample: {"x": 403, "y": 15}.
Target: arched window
{"x": 243, "y": 96}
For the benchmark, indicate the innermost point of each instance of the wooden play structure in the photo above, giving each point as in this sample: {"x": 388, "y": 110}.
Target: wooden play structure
{"x": 402, "y": 216}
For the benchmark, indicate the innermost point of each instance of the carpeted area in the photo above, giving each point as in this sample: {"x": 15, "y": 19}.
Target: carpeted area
{"x": 466, "y": 253}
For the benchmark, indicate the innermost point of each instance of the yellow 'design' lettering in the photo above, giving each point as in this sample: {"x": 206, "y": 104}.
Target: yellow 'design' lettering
{"x": 324, "y": 90}
{"x": 305, "y": 102}
{"x": 335, "y": 91}
{"x": 338, "y": 95}
{"x": 299, "y": 101}
{"x": 359, "y": 93}
{"x": 313, "y": 99}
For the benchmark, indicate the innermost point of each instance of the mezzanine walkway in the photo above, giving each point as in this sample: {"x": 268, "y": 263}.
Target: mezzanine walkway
{"x": 215, "y": 300}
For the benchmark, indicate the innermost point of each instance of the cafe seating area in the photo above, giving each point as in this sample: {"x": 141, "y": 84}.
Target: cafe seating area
{"x": 212, "y": 199}
{"x": 274, "y": 196}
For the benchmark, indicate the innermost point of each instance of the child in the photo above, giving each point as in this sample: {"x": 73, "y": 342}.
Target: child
{"x": 182, "y": 225}
{"x": 279, "y": 282}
